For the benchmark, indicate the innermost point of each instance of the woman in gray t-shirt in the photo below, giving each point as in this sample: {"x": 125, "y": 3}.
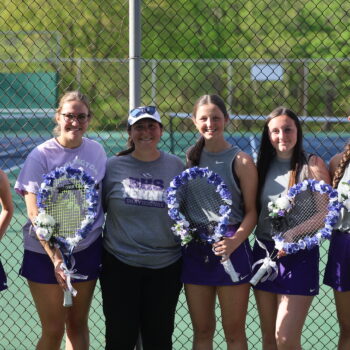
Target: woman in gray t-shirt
{"x": 140, "y": 278}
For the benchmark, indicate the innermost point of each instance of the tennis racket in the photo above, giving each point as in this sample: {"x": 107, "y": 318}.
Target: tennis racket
{"x": 301, "y": 219}
{"x": 200, "y": 204}
{"x": 67, "y": 202}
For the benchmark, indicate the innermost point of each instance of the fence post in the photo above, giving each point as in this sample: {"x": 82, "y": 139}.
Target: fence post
{"x": 135, "y": 68}
{"x": 134, "y": 53}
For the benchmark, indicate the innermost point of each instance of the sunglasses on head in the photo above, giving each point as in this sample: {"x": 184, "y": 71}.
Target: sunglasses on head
{"x": 142, "y": 110}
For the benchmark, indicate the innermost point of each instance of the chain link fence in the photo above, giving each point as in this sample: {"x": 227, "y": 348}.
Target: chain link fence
{"x": 256, "y": 54}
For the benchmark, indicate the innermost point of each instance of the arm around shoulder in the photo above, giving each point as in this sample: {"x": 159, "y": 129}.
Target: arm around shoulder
{"x": 248, "y": 177}
{"x": 246, "y": 170}
{"x": 318, "y": 169}
{"x": 107, "y": 182}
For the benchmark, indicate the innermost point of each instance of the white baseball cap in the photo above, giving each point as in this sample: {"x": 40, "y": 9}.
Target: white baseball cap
{"x": 143, "y": 112}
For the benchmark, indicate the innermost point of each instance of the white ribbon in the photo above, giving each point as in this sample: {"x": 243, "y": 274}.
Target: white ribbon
{"x": 71, "y": 273}
{"x": 230, "y": 270}
{"x": 228, "y": 267}
{"x": 268, "y": 268}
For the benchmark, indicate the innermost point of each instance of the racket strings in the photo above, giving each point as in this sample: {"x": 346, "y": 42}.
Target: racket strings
{"x": 200, "y": 204}
{"x": 305, "y": 218}
{"x": 67, "y": 205}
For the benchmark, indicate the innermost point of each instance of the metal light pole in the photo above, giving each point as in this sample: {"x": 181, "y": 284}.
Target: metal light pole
{"x": 135, "y": 68}
{"x": 134, "y": 53}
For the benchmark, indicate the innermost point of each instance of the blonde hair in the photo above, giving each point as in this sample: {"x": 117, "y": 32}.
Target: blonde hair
{"x": 68, "y": 97}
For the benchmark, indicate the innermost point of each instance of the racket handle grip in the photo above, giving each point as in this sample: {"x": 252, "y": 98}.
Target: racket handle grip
{"x": 258, "y": 275}
{"x": 67, "y": 298}
{"x": 230, "y": 270}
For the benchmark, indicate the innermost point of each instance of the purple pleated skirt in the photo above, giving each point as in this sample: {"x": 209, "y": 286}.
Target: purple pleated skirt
{"x": 298, "y": 274}
{"x": 337, "y": 273}
{"x": 37, "y": 267}
{"x": 202, "y": 267}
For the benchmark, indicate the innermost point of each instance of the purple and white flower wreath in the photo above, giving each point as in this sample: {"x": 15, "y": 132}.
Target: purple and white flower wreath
{"x": 282, "y": 205}
{"x": 181, "y": 226}
{"x": 45, "y": 223}
{"x": 344, "y": 194}
{"x": 280, "y": 208}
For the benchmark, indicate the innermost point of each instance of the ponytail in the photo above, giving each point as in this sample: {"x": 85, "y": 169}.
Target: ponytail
{"x": 194, "y": 153}
{"x": 130, "y": 149}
